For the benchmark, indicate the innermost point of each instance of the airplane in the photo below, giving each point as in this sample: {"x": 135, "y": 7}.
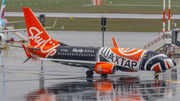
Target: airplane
{"x": 102, "y": 60}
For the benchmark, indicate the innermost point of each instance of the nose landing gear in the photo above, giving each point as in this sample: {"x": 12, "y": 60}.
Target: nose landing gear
{"x": 156, "y": 77}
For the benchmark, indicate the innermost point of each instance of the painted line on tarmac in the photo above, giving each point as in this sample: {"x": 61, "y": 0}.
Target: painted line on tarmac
{"x": 173, "y": 81}
{"x": 148, "y": 74}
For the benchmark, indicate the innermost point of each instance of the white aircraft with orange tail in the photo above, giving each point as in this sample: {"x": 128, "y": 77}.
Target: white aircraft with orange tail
{"x": 102, "y": 60}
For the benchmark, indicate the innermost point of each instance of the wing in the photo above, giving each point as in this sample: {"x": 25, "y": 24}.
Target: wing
{"x": 72, "y": 62}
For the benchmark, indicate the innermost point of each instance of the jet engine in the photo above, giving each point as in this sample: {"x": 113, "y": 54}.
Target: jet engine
{"x": 2, "y": 38}
{"x": 105, "y": 68}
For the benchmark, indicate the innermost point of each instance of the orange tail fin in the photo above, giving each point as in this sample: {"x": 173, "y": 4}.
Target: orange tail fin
{"x": 36, "y": 33}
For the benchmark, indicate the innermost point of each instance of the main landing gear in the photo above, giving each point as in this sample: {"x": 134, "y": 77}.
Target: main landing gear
{"x": 103, "y": 75}
{"x": 89, "y": 73}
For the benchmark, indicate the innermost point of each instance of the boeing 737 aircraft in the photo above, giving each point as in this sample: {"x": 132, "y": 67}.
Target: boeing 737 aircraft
{"x": 102, "y": 60}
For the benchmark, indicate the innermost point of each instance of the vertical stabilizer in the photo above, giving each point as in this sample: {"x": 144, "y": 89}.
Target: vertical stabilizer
{"x": 3, "y": 9}
{"x": 36, "y": 33}
{"x": 38, "y": 37}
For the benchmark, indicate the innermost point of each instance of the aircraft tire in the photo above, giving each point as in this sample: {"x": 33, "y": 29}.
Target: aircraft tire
{"x": 103, "y": 75}
{"x": 89, "y": 73}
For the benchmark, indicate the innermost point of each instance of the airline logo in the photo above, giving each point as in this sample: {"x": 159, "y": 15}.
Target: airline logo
{"x": 2, "y": 22}
{"x": 46, "y": 44}
{"x": 4, "y": 2}
{"x": 99, "y": 69}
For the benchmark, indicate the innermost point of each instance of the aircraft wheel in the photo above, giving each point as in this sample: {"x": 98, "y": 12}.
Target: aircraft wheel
{"x": 89, "y": 73}
{"x": 104, "y": 75}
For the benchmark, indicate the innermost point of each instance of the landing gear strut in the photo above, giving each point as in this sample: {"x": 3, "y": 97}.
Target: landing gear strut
{"x": 156, "y": 77}
{"x": 89, "y": 73}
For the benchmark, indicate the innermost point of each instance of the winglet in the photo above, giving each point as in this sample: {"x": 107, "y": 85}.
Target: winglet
{"x": 115, "y": 43}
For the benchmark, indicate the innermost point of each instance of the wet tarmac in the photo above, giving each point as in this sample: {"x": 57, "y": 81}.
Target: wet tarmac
{"x": 33, "y": 81}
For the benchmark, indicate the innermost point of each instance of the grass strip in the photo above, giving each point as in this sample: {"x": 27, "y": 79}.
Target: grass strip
{"x": 94, "y": 24}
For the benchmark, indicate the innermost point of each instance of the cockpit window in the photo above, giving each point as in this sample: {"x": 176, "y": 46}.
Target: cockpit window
{"x": 166, "y": 57}
{"x": 162, "y": 58}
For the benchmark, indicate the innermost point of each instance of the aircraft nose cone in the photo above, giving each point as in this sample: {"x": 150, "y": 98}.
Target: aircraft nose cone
{"x": 174, "y": 63}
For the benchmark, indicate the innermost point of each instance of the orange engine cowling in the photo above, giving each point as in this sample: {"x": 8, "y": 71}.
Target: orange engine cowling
{"x": 105, "y": 68}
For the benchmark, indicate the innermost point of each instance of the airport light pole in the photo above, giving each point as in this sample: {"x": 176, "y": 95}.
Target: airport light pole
{"x": 42, "y": 19}
{"x": 164, "y": 19}
{"x": 169, "y": 16}
{"x": 103, "y": 28}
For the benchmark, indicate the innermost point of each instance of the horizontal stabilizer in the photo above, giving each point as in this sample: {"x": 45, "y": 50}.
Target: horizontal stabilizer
{"x": 27, "y": 52}
{"x": 25, "y": 47}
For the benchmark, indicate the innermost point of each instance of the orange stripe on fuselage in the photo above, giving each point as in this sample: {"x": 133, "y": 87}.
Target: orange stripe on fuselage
{"x": 116, "y": 51}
